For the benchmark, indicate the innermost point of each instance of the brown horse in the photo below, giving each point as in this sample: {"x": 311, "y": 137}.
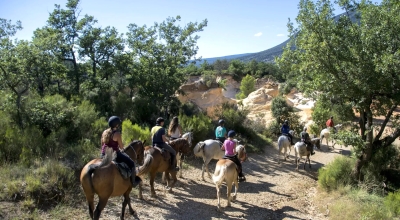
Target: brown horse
{"x": 155, "y": 162}
{"x": 226, "y": 171}
{"x": 102, "y": 177}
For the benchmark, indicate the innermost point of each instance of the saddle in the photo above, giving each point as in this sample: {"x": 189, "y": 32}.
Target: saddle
{"x": 123, "y": 169}
{"x": 166, "y": 155}
{"x": 234, "y": 160}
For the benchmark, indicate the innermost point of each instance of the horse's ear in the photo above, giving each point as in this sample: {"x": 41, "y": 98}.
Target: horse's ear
{"x": 144, "y": 142}
{"x": 132, "y": 140}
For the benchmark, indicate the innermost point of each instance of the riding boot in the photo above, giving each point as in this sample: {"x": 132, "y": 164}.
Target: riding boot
{"x": 135, "y": 180}
{"x": 173, "y": 166}
{"x": 241, "y": 177}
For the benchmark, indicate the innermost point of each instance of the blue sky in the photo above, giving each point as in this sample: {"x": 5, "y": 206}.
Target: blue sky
{"x": 234, "y": 27}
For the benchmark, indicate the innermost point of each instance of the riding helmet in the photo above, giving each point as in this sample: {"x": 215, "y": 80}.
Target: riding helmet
{"x": 159, "y": 120}
{"x": 221, "y": 121}
{"x": 113, "y": 121}
{"x": 231, "y": 133}
{"x": 286, "y": 122}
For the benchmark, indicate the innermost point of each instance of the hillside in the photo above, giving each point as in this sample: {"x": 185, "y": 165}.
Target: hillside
{"x": 269, "y": 54}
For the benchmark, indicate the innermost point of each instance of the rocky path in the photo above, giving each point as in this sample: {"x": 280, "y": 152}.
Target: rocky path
{"x": 272, "y": 191}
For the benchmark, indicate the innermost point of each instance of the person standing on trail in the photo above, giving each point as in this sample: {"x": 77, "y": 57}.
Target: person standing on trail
{"x": 220, "y": 131}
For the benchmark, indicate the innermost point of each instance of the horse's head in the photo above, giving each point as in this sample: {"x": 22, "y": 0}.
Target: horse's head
{"x": 135, "y": 151}
{"x": 180, "y": 145}
{"x": 189, "y": 137}
{"x": 338, "y": 126}
{"x": 241, "y": 153}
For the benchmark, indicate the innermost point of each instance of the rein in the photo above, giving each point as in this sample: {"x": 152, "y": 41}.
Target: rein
{"x": 131, "y": 147}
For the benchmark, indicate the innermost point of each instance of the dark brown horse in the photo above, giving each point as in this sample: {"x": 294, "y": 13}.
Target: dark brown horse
{"x": 155, "y": 162}
{"x": 101, "y": 177}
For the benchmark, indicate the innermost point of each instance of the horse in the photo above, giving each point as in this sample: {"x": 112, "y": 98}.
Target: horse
{"x": 154, "y": 163}
{"x": 325, "y": 133}
{"x": 226, "y": 170}
{"x": 284, "y": 143}
{"x": 101, "y": 177}
{"x": 300, "y": 148}
{"x": 189, "y": 137}
{"x": 208, "y": 150}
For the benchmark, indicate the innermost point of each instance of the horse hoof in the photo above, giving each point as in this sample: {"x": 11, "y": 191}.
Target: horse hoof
{"x": 233, "y": 198}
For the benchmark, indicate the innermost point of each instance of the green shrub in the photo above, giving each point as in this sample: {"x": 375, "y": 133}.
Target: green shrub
{"x": 392, "y": 202}
{"x": 200, "y": 125}
{"x": 189, "y": 109}
{"x": 280, "y": 109}
{"x": 134, "y": 132}
{"x": 247, "y": 86}
{"x": 336, "y": 174}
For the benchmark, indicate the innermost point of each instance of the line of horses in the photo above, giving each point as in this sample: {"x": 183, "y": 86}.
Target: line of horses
{"x": 101, "y": 176}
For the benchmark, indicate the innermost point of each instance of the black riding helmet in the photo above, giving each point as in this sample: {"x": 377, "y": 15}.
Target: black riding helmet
{"x": 159, "y": 120}
{"x": 113, "y": 121}
{"x": 231, "y": 133}
{"x": 221, "y": 122}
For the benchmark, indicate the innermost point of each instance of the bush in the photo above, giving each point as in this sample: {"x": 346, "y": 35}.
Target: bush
{"x": 280, "y": 109}
{"x": 134, "y": 132}
{"x": 336, "y": 174}
{"x": 392, "y": 202}
{"x": 246, "y": 86}
{"x": 200, "y": 125}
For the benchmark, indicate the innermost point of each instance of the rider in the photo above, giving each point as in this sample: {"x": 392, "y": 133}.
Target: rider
{"x": 175, "y": 129}
{"x": 330, "y": 124}
{"x": 285, "y": 130}
{"x": 159, "y": 139}
{"x": 112, "y": 138}
{"x": 305, "y": 137}
{"x": 220, "y": 131}
{"x": 231, "y": 154}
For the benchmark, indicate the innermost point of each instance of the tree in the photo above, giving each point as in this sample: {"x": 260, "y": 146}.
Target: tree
{"x": 220, "y": 65}
{"x": 355, "y": 62}
{"x": 247, "y": 86}
{"x": 236, "y": 68}
{"x": 280, "y": 109}
{"x": 159, "y": 54}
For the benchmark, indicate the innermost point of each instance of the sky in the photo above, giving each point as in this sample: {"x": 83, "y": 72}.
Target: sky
{"x": 234, "y": 27}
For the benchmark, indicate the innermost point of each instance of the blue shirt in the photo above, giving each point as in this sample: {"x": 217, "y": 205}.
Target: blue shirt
{"x": 220, "y": 132}
{"x": 285, "y": 129}
{"x": 156, "y": 134}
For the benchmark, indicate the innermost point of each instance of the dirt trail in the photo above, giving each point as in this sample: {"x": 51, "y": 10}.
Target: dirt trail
{"x": 272, "y": 191}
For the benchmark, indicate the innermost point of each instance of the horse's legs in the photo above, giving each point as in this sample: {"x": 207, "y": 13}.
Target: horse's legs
{"x": 236, "y": 187}
{"x": 90, "y": 201}
{"x": 173, "y": 174}
{"x": 152, "y": 177}
{"x": 205, "y": 167}
{"x": 218, "y": 196}
{"x": 127, "y": 201}
{"x": 100, "y": 206}
{"x": 228, "y": 191}
{"x": 140, "y": 190}
{"x": 179, "y": 158}
{"x": 163, "y": 179}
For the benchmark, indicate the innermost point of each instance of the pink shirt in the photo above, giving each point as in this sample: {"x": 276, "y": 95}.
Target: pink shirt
{"x": 229, "y": 147}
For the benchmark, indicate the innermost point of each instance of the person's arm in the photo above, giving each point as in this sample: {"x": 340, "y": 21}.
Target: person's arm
{"x": 118, "y": 138}
{"x": 165, "y": 139}
{"x": 226, "y": 133}
{"x": 234, "y": 148}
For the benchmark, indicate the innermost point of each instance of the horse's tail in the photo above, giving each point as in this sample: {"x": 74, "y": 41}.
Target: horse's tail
{"x": 146, "y": 165}
{"x": 199, "y": 148}
{"x": 280, "y": 143}
{"x": 220, "y": 178}
{"x": 106, "y": 160}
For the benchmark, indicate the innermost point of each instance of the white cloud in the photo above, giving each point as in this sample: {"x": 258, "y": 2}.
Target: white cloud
{"x": 258, "y": 34}
{"x": 280, "y": 35}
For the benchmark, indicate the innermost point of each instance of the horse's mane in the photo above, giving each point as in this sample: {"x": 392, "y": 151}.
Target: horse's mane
{"x": 132, "y": 144}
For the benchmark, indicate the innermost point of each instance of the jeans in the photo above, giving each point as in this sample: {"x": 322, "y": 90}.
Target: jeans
{"x": 168, "y": 148}
{"x": 222, "y": 139}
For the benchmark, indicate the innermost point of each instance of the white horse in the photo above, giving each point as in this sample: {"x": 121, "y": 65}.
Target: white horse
{"x": 225, "y": 171}
{"x": 325, "y": 133}
{"x": 284, "y": 143}
{"x": 189, "y": 137}
{"x": 300, "y": 148}
{"x": 208, "y": 150}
